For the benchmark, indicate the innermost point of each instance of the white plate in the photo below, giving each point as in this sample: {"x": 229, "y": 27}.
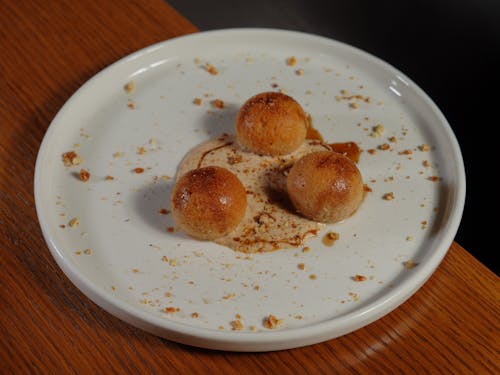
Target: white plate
{"x": 126, "y": 272}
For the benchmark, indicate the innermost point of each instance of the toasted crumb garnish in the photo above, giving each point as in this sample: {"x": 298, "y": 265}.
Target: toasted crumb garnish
{"x": 377, "y": 131}
{"x": 138, "y": 170}
{"x": 371, "y": 151}
{"x": 426, "y": 163}
{"x": 236, "y": 325}
{"x": 359, "y": 278}
{"x": 229, "y": 296}
{"x": 170, "y": 229}
{"x": 74, "y": 222}
{"x": 433, "y": 178}
{"x": 163, "y": 211}
{"x": 384, "y": 147}
{"x": 405, "y": 152}
{"x": 197, "y": 101}
{"x": 299, "y": 72}
{"x": 410, "y": 264}
{"x": 330, "y": 238}
{"x": 354, "y": 105}
{"x": 131, "y": 104}
{"x": 291, "y": 61}
{"x": 195, "y": 315}
{"x": 388, "y": 196}
{"x": 409, "y": 238}
{"x": 118, "y": 154}
{"x": 84, "y": 175}
{"x": 301, "y": 266}
{"x": 217, "y": 103}
{"x": 109, "y": 178}
{"x": 271, "y": 322}
{"x": 306, "y": 249}
{"x": 423, "y": 224}
{"x": 141, "y": 150}
{"x": 424, "y": 147}
{"x": 129, "y": 87}
{"x": 393, "y": 139}
{"x": 211, "y": 69}
{"x": 171, "y": 309}
{"x": 70, "y": 158}
{"x": 87, "y": 251}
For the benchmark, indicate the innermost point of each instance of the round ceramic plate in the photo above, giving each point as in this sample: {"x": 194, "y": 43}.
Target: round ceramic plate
{"x": 113, "y": 235}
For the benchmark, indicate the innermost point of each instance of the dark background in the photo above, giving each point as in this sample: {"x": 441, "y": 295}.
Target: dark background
{"x": 449, "y": 48}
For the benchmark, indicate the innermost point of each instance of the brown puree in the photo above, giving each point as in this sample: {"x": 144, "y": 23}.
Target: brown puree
{"x": 270, "y": 222}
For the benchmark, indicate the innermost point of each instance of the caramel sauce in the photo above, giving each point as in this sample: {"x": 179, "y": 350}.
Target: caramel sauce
{"x": 330, "y": 238}
{"x": 349, "y": 149}
{"x": 211, "y": 150}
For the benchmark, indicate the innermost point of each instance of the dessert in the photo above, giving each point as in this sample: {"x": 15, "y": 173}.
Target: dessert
{"x": 325, "y": 186}
{"x": 208, "y": 202}
{"x": 271, "y": 123}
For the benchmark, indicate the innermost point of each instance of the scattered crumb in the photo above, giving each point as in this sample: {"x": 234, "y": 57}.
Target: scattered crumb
{"x": 141, "y": 150}
{"x": 433, "y": 178}
{"x": 70, "y": 158}
{"x": 170, "y": 229}
{"x": 312, "y": 276}
{"x": 423, "y": 224}
{"x": 424, "y": 147}
{"x": 384, "y": 147}
{"x": 87, "y": 251}
{"x": 131, "y": 104}
{"x": 84, "y": 175}
{"x": 405, "y": 152}
{"x": 271, "y": 322}
{"x": 426, "y": 163}
{"x": 229, "y": 296}
{"x": 299, "y": 72}
{"x": 393, "y": 139}
{"x": 410, "y": 264}
{"x": 117, "y": 155}
{"x": 409, "y": 238}
{"x": 211, "y": 69}
{"x": 306, "y": 249}
{"x": 371, "y": 151}
{"x": 138, "y": 170}
{"x": 301, "y": 266}
{"x": 195, "y": 315}
{"x": 109, "y": 178}
{"x": 171, "y": 310}
{"x": 354, "y": 105}
{"x": 129, "y": 87}
{"x": 217, "y": 103}
{"x": 236, "y": 325}
{"x": 197, "y": 101}
{"x": 388, "y": 196}
{"x": 359, "y": 278}
{"x": 74, "y": 222}
{"x": 354, "y": 296}
{"x": 377, "y": 131}
{"x": 163, "y": 211}
{"x": 291, "y": 61}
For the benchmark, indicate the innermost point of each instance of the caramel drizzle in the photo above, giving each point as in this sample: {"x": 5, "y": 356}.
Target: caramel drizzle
{"x": 211, "y": 150}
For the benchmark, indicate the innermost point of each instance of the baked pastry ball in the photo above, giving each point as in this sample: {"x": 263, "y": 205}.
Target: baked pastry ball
{"x": 208, "y": 203}
{"x": 271, "y": 123}
{"x": 325, "y": 186}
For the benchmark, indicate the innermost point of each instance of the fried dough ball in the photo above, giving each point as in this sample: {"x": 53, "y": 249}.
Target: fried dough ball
{"x": 208, "y": 202}
{"x": 271, "y": 123}
{"x": 325, "y": 186}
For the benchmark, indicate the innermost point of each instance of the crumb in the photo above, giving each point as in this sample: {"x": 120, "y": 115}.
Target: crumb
{"x": 301, "y": 266}
{"x": 135, "y": 270}
{"x": 129, "y": 87}
{"x": 426, "y": 163}
{"x": 138, "y": 170}
{"x": 271, "y": 322}
{"x": 291, "y": 61}
{"x": 87, "y": 251}
{"x": 306, "y": 249}
{"x": 171, "y": 310}
{"x": 330, "y": 238}
{"x": 236, "y": 325}
{"x": 229, "y": 296}
{"x": 109, "y": 178}
{"x": 354, "y": 296}
{"x": 163, "y": 211}
{"x": 217, "y": 103}
{"x": 410, "y": 264}
{"x": 195, "y": 315}
{"x": 377, "y": 131}
{"x": 78, "y": 252}
{"x": 84, "y": 175}
{"x": 409, "y": 238}
{"x": 433, "y": 178}
{"x": 197, "y": 101}
{"x": 172, "y": 262}
{"x": 70, "y": 158}
{"x": 312, "y": 276}
{"x": 253, "y": 328}
{"x": 211, "y": 69}
{"x": 384, "y": 147}
{"x": 170, "y": 229}
{"x": 299, "y": 72}
{"x": 117, "y": 155}
{"x": 359, "y": 278}
{"x": 354, "y": 105}
{"x": 367, "y": 189}
{"x": 405, "y": 152}
{"x": 141, "y": 150}
{"x": 388, "y": 196}
{"x": 131, "y": 104}
{"x": 424, "y": 147}
{"x": 423, "y": 224}
{"x": 393, "y": 139}
{"x": 371, "y": 151}
{"x": 74, "y": 222}
{"x": 62, "y": 226}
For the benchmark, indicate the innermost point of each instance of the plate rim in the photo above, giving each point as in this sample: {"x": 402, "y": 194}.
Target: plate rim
{"x": 255, "y": 341}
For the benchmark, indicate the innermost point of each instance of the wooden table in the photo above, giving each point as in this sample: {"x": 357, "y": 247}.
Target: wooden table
{"x": 47, "y": 50}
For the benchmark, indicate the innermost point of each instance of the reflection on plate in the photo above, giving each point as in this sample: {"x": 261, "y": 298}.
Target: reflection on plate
{"x": 114, "y": 238}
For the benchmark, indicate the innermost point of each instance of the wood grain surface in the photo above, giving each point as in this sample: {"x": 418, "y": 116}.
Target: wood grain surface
{"x": 47, "y": 50}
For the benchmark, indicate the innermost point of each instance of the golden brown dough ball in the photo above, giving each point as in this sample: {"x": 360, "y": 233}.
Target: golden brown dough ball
{"x": 208, "y": 203}
{"x": 325, "y": 186}
{"x": 271, "y": 123}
